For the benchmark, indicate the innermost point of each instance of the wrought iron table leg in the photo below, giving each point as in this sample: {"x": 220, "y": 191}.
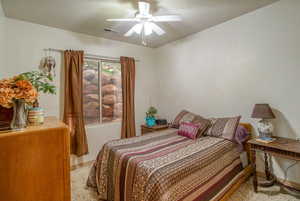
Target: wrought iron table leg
{"x": 267, "y": 170}
{"x": 270, "y": 180}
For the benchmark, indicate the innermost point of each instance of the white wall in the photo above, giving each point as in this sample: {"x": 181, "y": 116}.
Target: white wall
{"x": 2, "y": 19}
{"x": 24, "y": 44}
{"x": 1, "y": 10}
{"x": 225, "y": 70}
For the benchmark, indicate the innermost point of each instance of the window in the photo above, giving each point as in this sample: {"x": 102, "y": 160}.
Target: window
{"x": 102, "y": 98}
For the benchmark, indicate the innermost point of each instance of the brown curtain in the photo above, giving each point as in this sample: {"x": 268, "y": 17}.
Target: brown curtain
{"x": 128, "y": 87}
{"x": 73, "y": 108}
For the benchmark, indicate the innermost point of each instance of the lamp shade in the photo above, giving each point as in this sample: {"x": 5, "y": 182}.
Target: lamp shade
{"x": 262, "y": 111}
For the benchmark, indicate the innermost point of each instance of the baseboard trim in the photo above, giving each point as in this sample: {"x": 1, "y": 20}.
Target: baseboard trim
{"x": 290, "y": 184}
{"x": 83, "y": 164}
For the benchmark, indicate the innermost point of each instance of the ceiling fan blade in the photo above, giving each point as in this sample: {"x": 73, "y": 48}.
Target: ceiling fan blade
{"x": 144, "y": 8}
{"x": 123, "y": 20}
{"x": 167, "y": 18}
{"x": 136, "y": 28}
{"x": 157, "y": 29}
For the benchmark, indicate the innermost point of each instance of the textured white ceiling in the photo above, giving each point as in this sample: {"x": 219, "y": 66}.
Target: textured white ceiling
{"x": 88, "y": 16}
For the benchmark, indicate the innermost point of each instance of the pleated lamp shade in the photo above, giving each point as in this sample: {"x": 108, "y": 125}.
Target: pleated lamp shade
{"x": 262, "y": 111}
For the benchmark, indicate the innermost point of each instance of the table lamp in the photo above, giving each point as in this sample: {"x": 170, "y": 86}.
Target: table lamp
{"x": 263, "y": 112}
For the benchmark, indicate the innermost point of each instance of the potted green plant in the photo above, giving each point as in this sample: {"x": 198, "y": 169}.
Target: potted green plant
{"x": 150, "y": 116}
{"x": 43, "y": 83}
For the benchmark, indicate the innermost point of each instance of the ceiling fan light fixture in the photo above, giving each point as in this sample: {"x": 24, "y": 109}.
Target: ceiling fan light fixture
{"x": 138, "y": 28}
{"x": 148, "y": 28}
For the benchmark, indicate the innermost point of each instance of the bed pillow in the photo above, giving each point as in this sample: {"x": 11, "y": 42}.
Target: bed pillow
{"x": 224, "y": 127}
{"x": 189, "y": 130}
{"x": 183, "y": 116}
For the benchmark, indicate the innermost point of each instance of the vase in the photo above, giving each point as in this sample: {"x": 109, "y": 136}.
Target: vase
{"x": 19, "y": 120}
{"x": 150, "y": 121}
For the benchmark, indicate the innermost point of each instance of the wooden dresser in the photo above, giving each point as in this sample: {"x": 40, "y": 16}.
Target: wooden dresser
{"x": 35, "y": 163}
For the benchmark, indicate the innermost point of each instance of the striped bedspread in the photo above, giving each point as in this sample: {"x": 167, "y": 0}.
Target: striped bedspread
{"x": 164, "y": 166}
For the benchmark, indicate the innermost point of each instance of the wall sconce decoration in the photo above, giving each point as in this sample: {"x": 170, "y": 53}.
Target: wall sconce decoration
{"x": 48, "y": 64}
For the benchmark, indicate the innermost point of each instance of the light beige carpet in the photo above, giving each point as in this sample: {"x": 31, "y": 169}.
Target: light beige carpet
{"x": 244, "y": 193}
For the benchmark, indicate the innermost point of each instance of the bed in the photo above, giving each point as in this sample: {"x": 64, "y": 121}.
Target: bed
{"x": 164, "y": 166}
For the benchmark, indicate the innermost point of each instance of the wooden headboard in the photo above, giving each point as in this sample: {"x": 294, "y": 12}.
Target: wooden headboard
{"x": 248, "y": 127}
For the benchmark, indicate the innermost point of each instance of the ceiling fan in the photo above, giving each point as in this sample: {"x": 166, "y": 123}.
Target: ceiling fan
{"x": 146, "y": 22}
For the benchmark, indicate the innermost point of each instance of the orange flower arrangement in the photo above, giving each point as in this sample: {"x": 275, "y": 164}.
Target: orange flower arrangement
{"x": 14, "y": 88}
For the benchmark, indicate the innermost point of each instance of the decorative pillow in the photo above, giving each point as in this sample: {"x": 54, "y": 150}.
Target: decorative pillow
{"x": 241, "y": 135}
{"x": 189, "y": 130}
{"x": 204, "y": 124}
{"x": 183, "y": 116}
{"x": 224, "y": 127}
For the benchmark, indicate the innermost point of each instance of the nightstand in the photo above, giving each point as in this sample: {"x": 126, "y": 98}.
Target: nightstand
{"x": 281, "y": 147}
{"x": 146, "y": 129}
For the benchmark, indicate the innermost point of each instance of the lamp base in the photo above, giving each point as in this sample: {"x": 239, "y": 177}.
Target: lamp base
{"x": 265, "y": 128}
{"x": 265, "y": 135}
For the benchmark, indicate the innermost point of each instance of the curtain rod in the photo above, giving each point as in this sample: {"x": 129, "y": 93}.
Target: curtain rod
{"x": 91, "y": 56}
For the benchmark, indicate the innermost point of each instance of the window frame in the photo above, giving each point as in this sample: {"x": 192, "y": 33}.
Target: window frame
{"x": 99, "y": 67}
